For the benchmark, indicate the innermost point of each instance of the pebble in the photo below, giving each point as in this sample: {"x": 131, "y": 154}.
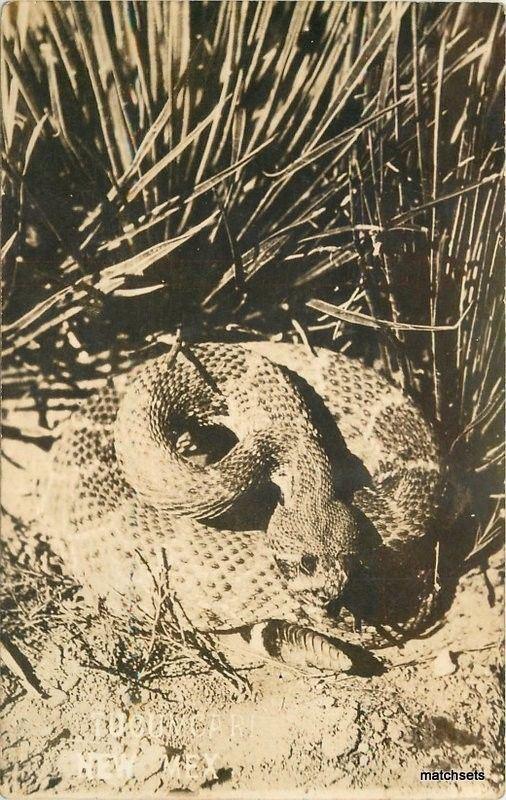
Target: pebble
{"x": 444, "y": 664}
{"x": 56, "y": 698}
{"x": 395, "y": 730}
{"x": 377, "y": 724}
{"x": 482, "y": 670}
{"x": 324, "y": 701}
{"x": 149, "y": 762}
{"x": 340, "y": 742}
{"x": 153, "y": 784}
{"x": 496, "y": 578}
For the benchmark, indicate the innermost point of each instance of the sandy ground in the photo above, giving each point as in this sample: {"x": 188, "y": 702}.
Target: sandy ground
{"x": 437, "y": 706}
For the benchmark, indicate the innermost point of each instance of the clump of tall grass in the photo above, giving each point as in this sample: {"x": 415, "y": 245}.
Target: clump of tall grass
{"x": 330, "y": 171}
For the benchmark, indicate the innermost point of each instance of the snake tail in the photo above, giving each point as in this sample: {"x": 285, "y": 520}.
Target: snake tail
{"x": 292, "y": 644}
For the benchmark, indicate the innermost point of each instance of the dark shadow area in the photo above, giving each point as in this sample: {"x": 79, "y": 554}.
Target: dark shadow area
{"x": 395, "y": 591}
{"x": 365, "y": 664}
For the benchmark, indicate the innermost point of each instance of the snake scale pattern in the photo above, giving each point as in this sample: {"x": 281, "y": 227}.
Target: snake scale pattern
{"x": 354, "y": 476}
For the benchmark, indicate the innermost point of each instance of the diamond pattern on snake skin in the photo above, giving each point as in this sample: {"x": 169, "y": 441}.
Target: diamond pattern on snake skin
{"x": 126, "y": 505}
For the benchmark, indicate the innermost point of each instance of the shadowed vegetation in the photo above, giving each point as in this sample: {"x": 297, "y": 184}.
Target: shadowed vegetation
{"x": 331, "y": 172}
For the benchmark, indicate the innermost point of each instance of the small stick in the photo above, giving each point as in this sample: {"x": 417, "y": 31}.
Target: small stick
{"x": 19, "y": 665}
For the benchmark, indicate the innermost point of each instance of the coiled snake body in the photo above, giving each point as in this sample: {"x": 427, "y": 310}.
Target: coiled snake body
{"x": 355, "y": 465}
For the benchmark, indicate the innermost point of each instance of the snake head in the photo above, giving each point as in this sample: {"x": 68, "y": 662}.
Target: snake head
{"x": 316, "y": 549}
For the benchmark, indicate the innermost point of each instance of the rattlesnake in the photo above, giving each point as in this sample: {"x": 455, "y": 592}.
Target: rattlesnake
{"x": 356, "y": 468}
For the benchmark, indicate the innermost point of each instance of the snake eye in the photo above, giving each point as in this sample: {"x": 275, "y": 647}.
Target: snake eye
{"x": 308, "y": 564}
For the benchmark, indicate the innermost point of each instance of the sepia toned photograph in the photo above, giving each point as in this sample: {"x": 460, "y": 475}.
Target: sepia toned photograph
{"x": 252, "y": 485}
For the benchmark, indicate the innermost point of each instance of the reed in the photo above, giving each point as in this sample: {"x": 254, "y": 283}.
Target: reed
{"x": 324, "y": 170}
